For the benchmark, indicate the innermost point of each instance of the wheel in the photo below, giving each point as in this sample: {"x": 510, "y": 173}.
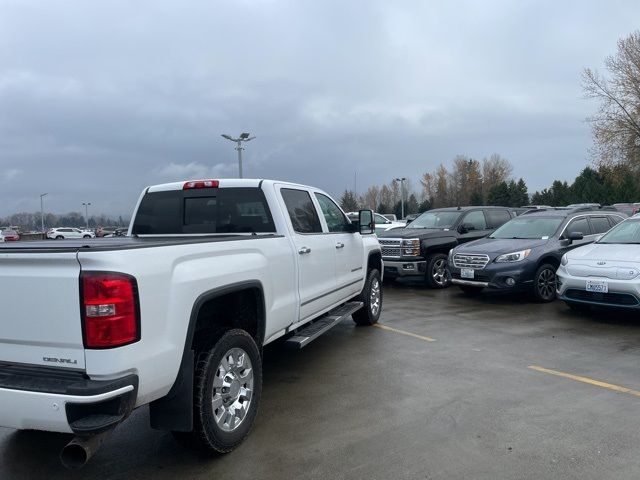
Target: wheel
{"x": 86, "y": 236}
{"x": 227, "y": 389}
{"x": 59, "y": 237}
{"x": 544, "y": 283}
{"x": 438, "y": 275}
{"x": 371, "y": 297}
{"x": 578, "y": 307}
{"x": 470, "y": 290}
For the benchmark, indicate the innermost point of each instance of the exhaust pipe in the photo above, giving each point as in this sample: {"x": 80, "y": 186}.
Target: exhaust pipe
{"x": 80, "y": 449}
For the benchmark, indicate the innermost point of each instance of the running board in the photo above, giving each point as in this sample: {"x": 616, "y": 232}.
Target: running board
{"x": 310, "y": 332}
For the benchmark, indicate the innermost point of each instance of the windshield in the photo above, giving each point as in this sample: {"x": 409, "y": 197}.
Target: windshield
{"x": 435, "y": 220}
{"x": 626, "y": 232}
{"x": 528, "y": 227}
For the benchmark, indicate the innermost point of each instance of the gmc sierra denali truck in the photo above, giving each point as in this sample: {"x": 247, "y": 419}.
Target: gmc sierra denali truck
{"x": 175, "y": 314}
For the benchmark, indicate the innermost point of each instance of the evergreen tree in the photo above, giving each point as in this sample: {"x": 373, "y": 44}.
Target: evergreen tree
{"x": 348, "y": 201}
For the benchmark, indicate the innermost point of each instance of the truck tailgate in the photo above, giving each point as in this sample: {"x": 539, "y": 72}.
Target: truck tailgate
{"x": 40, "y": 309}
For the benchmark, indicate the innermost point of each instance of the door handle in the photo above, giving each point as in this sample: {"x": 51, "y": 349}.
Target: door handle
{"x": 304, "y": 250}
{"x": 339, "y": 245}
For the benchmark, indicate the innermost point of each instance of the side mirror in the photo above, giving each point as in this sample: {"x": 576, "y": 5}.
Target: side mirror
{"x": 366, "y": 222}
{"x": 466, "y": 227}
{"x": 573, "y": 236}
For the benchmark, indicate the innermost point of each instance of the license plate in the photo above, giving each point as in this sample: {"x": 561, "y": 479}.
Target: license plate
{"x": 598, "y": 286}
{"x": 467, "y": 273}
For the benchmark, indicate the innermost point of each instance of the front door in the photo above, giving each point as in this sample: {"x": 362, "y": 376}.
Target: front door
{"x": 349, "y": 249}
{"x": 314, "y": 251}
{"x": 478, "y": 222}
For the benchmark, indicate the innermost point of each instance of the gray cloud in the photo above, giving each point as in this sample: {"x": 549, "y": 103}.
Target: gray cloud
{"x": 100, "y": 99}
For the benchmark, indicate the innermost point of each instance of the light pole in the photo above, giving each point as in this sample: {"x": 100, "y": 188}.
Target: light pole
{"x": 86, "y": 213}
{"x": 42, "y": 195}
{"x": 244, "y": 137}
{"x": 401, "y": 180}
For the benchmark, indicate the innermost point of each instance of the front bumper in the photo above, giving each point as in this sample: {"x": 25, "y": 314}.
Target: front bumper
{"x": 42, "y": 398}
{"x": 495, "y": 276}
{"x": 622, "y": 293}
{"x": 404, "y": 268}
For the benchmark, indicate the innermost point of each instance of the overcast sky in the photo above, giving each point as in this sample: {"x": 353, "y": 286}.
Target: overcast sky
{"x": 101, "y": 98}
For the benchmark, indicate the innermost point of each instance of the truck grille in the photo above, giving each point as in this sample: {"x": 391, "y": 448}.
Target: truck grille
{"x": 461, "y": 260}
{"x": 390, "y": 247}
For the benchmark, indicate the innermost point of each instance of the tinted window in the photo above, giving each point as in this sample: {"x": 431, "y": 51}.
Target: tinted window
{"x": 302, "y": 212}
{"x": 580, "y": 225}
{"x": 336, "y": 221}
{"x": 614, "y": 219}
{"x": 497, "y": 217}
{"x": 211, "y": 210}
{"x": 475, "y": 218}
{"x": 599, "y": 224}
{"x": 380, "y": 219}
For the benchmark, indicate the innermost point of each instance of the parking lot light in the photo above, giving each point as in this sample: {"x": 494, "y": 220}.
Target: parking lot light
{"x": 42, "y": 195}
{"x": 244, "y": 137}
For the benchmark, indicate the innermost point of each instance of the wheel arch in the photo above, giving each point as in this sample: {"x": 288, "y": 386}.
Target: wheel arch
{"x": 174, "y": 411}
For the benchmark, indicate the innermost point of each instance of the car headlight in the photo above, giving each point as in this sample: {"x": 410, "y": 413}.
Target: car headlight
{"x": 564, "y": 260}
{"x": 514, "y": 257}
{"x": 411, "y": 247}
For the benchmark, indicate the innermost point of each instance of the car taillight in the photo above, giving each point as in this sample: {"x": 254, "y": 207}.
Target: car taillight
{"x": 201, "y": 184}
{"x": 110, "y": 309}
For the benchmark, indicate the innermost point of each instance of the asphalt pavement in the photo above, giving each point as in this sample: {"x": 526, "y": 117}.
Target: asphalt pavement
{"x": 447, "y": 387}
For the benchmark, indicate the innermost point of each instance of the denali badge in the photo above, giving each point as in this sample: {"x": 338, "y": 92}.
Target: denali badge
{"x": 66, "y": 361}
{"x": 602, "y": 263}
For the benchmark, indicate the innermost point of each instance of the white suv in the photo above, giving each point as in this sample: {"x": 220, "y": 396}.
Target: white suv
{"x": 605, "y": 273}
{"x": 64, "y": 233}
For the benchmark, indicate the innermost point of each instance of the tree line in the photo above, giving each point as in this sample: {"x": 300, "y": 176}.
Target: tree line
{"x": 32, "y": 221}
{"x": 466, "y": 182}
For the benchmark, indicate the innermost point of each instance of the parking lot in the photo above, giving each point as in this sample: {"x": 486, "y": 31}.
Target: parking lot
{"x": 445, "y": 387}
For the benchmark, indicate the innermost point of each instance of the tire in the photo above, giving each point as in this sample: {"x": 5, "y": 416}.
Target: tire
{"x": 578, "y": 307}
{"x": 371, "y": 297}
{"x": 438, "y": 275}
{"x": 86, "y": 236}
{"x": 467, "y": 290}
{"x": 544, "y": 283}
{"x": 59, "y": 237}
{"x": 213, "y": 430}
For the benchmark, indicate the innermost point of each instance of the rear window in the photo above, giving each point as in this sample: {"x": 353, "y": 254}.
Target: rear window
{"x": 211, "y": 210}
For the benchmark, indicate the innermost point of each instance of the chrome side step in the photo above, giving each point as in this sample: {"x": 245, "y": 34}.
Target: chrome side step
{"x": 310, "y": 332}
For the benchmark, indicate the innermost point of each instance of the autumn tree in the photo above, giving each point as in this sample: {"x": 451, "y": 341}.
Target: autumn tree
{"x": 616, "y": 124}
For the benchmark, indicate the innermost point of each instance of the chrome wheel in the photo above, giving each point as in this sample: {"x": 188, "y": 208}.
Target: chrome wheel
{"x": 546, "y": 284}
{"x": 232, "y": 389}
{"x": 374, "y": 297}
{"x": 440, "y": 272}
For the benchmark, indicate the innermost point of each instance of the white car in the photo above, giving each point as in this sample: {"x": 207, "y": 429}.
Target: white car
{"x": 65, "y": 233}
{"x": 605, "y": 273}
{"x": 1, "y": 237}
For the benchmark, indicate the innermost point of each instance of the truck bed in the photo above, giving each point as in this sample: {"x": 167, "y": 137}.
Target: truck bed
{"x": 118, "y": 243}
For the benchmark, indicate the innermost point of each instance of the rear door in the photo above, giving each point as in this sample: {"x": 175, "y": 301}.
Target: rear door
{"x": 348, "y": 246}
{"x": 40, "y": 310}
{"x": 315, "y": 252}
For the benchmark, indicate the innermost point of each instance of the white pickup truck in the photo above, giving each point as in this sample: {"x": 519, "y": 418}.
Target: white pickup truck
{"x": 175, "y": 315}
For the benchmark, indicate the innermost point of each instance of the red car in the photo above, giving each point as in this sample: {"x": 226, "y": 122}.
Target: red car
{"x": 10, "y": 235}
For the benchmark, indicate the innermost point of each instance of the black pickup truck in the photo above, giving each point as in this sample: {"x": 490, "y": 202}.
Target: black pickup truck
{"x": 420, "y": 250}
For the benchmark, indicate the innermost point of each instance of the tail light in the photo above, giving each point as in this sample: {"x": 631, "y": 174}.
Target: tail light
{"x": 110, "y": 309}
{"x": 201, "y": 184}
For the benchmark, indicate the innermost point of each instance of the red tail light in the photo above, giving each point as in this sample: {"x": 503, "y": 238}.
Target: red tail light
{"x": 110, "y": 309}
{"x": 201, "y": 184}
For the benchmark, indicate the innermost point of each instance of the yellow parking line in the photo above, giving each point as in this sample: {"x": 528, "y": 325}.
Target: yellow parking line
{"x": 402, "y": 332}
{"x": 590, "y": 381}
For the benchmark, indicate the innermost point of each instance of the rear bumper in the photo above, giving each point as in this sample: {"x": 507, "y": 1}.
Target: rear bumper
{"x": 399, "y": 268}
{"x": 50, "y": 399}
